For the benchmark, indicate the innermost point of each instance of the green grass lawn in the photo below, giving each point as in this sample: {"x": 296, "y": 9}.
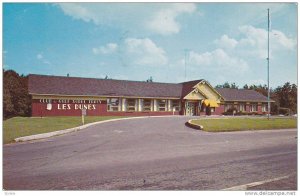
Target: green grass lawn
{"x": 239, "y": 124}
{"x": 24, "y": 126}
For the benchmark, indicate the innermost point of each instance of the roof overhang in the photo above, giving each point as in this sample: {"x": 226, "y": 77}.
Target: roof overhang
{"x": 262, "y": 101}
{"x": 98, "y": 96}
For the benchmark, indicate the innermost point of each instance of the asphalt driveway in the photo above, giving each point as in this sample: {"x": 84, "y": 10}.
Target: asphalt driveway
{"x": 150, "y": 153}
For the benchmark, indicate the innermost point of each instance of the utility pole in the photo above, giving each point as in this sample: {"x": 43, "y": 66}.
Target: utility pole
{"x": 269, "y": 106}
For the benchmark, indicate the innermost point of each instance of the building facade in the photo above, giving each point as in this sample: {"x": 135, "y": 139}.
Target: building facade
{"x": 73, "y": 96}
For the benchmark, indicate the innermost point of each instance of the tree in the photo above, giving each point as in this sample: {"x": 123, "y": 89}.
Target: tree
{"x": 233, "y": 85}
{"x": 286, "y": 96}
{"x": 245, "y": 86}
{"x": 8, "y": 107}
{"x": 16, "y": 100}
{"x": 261, "y": 89}
{"x": 293, "y": 97}
{"x": 227, "y": 85}
{"x": 150, "y": 79}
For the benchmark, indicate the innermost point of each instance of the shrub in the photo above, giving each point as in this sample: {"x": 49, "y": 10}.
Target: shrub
{"x": 231, "y": 110}
{"x": 284, "y": 111}
{"x": 241, "y": 113}
{"x": 226, "y": 113}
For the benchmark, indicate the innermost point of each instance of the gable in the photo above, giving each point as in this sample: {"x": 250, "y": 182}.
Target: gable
{"x": 194, "y": 95}
{"x": 203, "y": 90}
{"x": 208, "y": 91}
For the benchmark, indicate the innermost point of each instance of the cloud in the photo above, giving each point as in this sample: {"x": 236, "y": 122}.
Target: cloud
{"x": 144, "y": 52}
{"x": 245, "y": 54}
{"x": 107, "y": 49}
{"x": 134, "y": 51}
{"x": 41, "y": 58}
{"x": 159, "y": 18}
{"x": 78, "y": 11}
{"x": 217, "y": 60}
{"x": 282, "y": 40}
{"x": 226, "y": 42}
{"x": 254, "y": 41}
{"x": 164, "y": 21}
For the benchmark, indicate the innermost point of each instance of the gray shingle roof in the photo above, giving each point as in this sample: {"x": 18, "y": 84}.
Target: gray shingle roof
{"x": 58, "y": 85}
{"x": 187, "y": 87}
{"x": 241, "y": 95}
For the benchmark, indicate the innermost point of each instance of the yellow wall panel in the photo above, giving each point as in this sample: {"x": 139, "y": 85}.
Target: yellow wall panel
{"x": 208, "y": 92}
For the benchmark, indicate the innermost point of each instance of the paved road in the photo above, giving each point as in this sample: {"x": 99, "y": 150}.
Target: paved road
{"x": 151, "y": 153}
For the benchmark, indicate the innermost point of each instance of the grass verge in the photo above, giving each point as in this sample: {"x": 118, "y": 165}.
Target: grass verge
{"x": 240, "y": 124}
{"x": 24, "y": 126}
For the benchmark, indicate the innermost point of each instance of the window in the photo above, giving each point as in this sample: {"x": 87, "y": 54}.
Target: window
{"x": 203, "y": 109}
{"x": 175, "y": 105}
{"x": 212, "y": 109}
{"x": 146, "y": 105}
{"x": 228, "y": 106}
{"x": 162, "y": 104}
{"x": 253, "y": 108}
{"x": 131, "y": 105}
{"x": 113, "y": 104}
{"x": 264, "y": 108}
{"x": 242, "y": 107}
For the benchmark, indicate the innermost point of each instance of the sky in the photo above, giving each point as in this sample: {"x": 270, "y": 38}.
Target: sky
{"x": 170, "y": 42}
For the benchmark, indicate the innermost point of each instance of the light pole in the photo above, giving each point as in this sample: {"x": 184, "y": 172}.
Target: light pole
{"x": 186, "y": 53}
{"x": 269, "y": 106}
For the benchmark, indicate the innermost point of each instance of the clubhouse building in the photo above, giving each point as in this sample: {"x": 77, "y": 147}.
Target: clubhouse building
{"x": 74, "y": 96}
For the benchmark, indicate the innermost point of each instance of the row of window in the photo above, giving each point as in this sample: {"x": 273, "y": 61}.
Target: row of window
{"x": 131, "y": 105}
{"x": 242, "y": 107}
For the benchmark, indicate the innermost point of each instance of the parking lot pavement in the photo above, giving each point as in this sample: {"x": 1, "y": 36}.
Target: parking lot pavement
{"x": 149, "y": 154}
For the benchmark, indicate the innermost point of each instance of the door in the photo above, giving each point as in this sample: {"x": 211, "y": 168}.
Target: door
{"x": 190, "y": 109}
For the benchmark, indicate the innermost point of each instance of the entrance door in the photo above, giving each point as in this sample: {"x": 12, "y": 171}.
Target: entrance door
{"x": 190, "y": 109}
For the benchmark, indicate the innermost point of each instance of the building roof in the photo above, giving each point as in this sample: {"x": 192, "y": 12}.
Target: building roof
{"x": 59, "y": 85}
{"x": 187, "y": 87}
{"x": 230, "y": 94}
{"x": 76, "y": 86}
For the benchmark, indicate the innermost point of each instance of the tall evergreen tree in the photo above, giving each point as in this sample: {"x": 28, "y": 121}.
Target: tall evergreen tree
{"x": 16, "y": 100}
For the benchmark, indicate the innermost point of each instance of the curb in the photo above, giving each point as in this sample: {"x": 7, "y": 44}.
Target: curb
{"x": 194, "y": 126}
{"x": 74, "y": 129}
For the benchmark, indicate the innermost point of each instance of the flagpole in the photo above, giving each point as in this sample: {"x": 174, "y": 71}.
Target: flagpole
{"x": 269, "y": 106}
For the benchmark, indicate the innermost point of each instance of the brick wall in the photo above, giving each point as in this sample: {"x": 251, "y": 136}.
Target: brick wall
{"x": 71, "y": 109}
{"x": 218, "y": 110}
